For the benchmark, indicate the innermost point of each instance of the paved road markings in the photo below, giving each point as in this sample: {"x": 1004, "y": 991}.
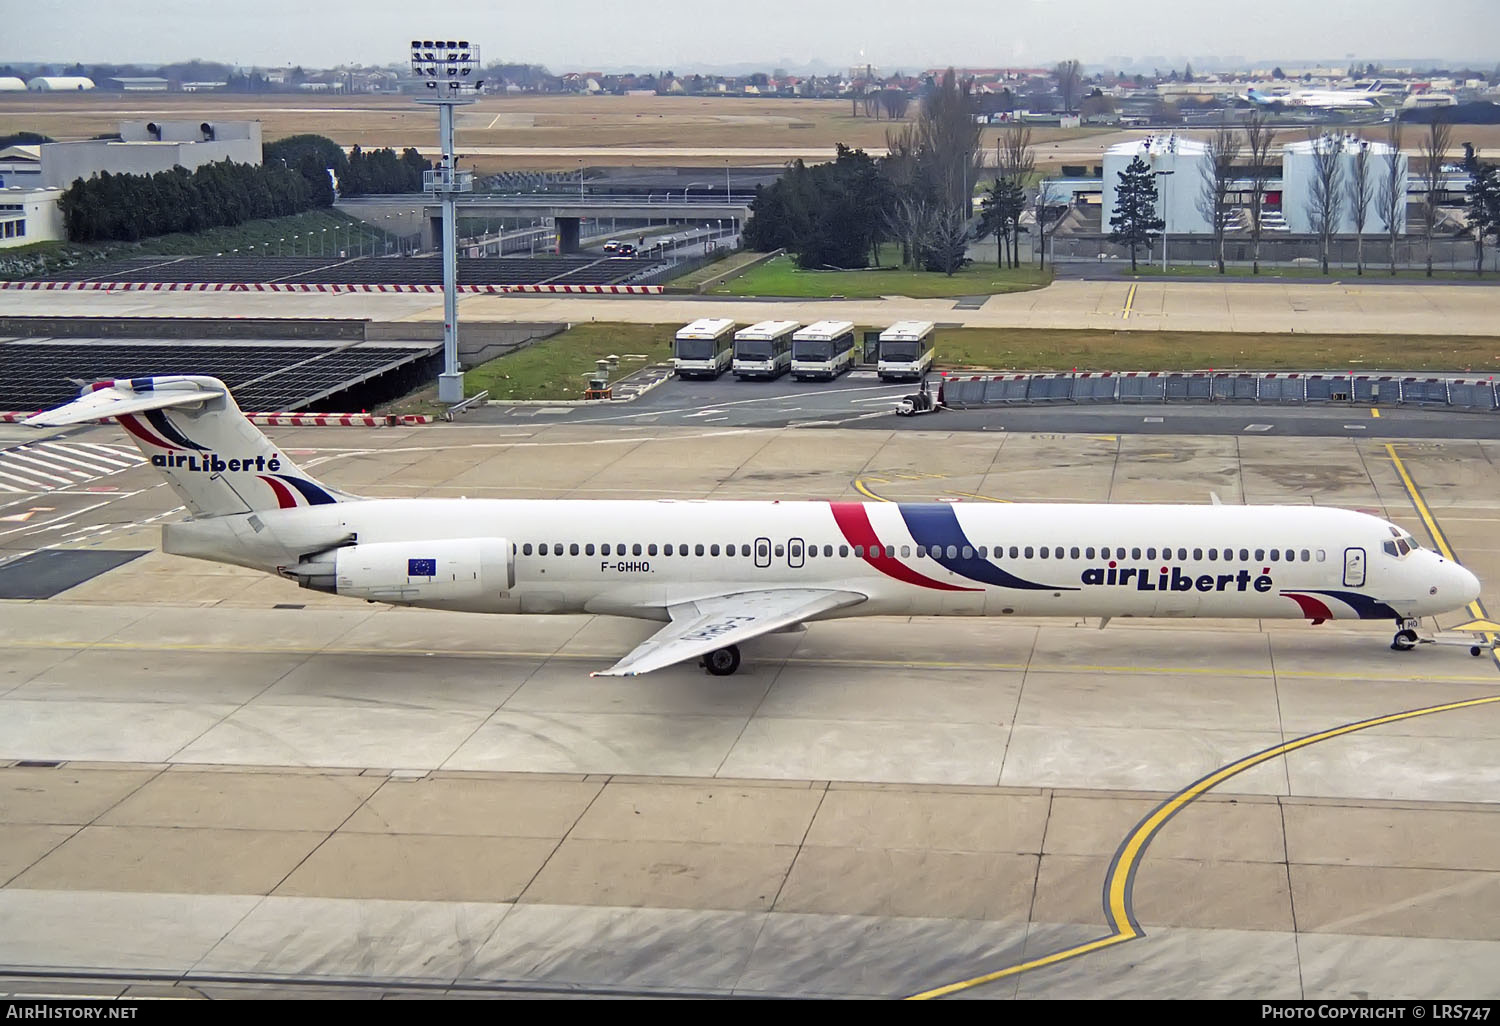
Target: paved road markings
{"x": 51, "y": 466}
{"x": 1119, "y": 884}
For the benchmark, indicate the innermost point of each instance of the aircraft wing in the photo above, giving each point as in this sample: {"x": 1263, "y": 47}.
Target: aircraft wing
{"x": 702, "y": 626}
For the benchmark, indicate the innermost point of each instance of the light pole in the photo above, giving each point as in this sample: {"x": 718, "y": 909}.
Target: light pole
{"x": 580, "y": 179}
{"x": 726, "y": 181}
{"x": 1166, "y": 214}
{"x": 447, "y": 66}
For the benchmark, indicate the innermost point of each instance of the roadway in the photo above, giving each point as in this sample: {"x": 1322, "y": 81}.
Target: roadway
{"x": 1339, "y": 307}
{"x": 238, "y": 787}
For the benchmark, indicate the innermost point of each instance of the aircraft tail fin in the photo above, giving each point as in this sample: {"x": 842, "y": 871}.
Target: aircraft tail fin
{"x": 191, "y": 430}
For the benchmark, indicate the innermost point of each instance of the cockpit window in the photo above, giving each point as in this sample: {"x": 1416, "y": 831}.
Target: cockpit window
{"x": 1390, "y": 548}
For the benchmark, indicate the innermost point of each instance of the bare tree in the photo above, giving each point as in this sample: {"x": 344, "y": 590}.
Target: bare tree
{"x": 1015, "y": 162}
{"x": 903, "y": 171}
{"x": 1361, "y": 192}
{"x": 948, "y": 239}
{"x": 1041, "y": 212}
{"x": 1325, "y": 199}
{"x": 948, "y": 140}
{"x": 1392, "y": 203}
{"x": 911, "y": 220}
{"x": 895, "y": 102}
{"x": 1259, "y": 137}
{"x": 1068, "y": 74}
{"x": 1432, "y": 148}
{"x": 1218, "y": 172}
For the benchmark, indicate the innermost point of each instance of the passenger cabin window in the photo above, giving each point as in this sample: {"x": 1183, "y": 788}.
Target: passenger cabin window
{"x": 526, "y": 549}
{"x": 1135, "y": 553}
{"x": 713, "y": 550}
{"x": 1015, "y": 552}
{"x": 635, "y": 550}
{"x": 588, "y": 550}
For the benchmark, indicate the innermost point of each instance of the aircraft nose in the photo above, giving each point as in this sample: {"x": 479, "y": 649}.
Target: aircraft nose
{"x": 1468, "y": 584}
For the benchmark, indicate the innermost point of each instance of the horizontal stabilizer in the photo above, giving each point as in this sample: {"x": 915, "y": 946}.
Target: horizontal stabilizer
{"x": 115, "y": 399}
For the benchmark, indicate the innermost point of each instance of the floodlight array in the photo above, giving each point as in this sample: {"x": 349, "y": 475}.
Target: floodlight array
{"x": 447, "y": 65}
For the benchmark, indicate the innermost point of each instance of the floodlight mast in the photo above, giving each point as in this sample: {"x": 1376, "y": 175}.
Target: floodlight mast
{"x": 449, "y": 68}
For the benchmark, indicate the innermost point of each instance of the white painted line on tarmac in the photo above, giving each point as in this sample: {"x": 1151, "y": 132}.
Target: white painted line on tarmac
{"x": 35, "y": 486}
{"x": 43, "y": 473}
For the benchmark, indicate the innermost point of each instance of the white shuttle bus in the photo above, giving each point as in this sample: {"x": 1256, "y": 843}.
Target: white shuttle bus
{"x": 905, "y": 350}
{"x": 823, "y": 350}
{"x": 705, "y": 348}
{"x": 764, "y": 350}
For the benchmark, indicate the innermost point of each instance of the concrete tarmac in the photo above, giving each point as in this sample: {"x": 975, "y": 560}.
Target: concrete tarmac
{"x": 1338, "y": 307}
{"x": 218, "y": 783}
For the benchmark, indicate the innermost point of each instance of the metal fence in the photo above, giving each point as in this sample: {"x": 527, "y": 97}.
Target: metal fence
{"x": 974, "y": 390}
{"x": 1344, "y": 254}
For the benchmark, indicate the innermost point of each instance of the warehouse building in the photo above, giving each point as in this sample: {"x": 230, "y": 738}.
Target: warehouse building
{"x": 1299, "y": 161}
{"x": 1178, "y": 164}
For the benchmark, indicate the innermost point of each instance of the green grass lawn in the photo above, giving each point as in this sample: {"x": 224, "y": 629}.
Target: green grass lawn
{"x": 1063, "y": 350}
{"x": 782, "y": 277}
{"x": 559, "y": 367}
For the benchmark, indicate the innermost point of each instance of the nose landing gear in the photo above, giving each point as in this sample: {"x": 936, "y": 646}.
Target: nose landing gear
{"x": 721, "y": 662}
{"x": 1407, "y": 638}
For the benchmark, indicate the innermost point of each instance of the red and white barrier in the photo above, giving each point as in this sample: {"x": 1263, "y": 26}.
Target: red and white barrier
{"x": 293, "y": 419}
{"x": 302, "y": 287}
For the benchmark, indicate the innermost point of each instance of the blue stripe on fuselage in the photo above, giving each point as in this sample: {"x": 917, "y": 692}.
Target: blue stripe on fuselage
{"x": 314, "y": 495}
{"x": 935, "y": 525}
{"x": 1368, "y": 608}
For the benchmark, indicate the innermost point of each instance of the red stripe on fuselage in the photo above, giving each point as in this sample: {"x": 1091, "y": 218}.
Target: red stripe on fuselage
{"x": 854, "y": 522}
{"x": 283, "y": 494}
{"x": 135, "y": 427}
{"x": 1313, "y": 609}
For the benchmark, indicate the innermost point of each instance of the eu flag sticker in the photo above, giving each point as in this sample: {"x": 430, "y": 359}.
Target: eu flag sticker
{"x": 421, "y": 568}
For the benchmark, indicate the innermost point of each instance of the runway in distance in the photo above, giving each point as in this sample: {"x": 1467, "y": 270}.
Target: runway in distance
{"x": 723, "y": 573}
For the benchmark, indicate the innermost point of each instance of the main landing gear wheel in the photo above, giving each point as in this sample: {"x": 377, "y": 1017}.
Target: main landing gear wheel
{"x": 1405, "y": 640}
{"x": 722, "y": 662}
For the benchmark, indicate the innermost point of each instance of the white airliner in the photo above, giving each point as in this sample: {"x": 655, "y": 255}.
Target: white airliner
{"x": 722, "y": 573}
{"x": 1319, "y": 99}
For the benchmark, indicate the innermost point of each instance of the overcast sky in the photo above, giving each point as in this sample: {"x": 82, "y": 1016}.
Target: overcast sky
{"x": 685, "y": 35}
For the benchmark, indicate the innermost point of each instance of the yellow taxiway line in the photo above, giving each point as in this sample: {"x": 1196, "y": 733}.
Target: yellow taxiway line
{"x": 1129, "y": 301}
{"x": 1119, "y": 885}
